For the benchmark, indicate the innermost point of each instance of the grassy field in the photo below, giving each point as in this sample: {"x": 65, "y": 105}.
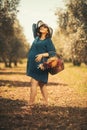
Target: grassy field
{"x": 67, "y": 109}
{"x": 76, "y": 77}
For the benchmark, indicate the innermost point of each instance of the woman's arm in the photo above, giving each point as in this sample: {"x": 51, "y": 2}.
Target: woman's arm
{"x": 45, "y": 54}
{"x": 40, "y": 56}
{"x": 34, "y": 29}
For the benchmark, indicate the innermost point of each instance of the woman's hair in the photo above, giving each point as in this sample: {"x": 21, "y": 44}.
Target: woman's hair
{"x": 48, "y": 35}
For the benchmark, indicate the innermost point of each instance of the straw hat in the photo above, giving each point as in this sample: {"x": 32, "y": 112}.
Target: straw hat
{"x": 41, "y": 23}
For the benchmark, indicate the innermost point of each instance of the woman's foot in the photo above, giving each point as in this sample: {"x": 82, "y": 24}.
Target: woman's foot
{"x": 45, "y": 103}
{"x": 31, "y": 104}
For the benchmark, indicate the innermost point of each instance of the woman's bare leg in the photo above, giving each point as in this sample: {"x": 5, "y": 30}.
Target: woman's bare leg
{"x": 43, "y": 89}
{"x": 33, "y": 91}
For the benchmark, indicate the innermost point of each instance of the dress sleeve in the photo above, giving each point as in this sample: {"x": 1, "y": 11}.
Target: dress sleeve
{"x": 34, "y": 29}
{"x": 51, "y": 48}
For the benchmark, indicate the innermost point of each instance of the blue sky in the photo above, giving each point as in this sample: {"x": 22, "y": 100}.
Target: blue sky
{"x": 30, "y": 11}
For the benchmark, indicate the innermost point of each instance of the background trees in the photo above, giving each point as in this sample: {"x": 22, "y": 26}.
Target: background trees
{"x": 71, "y": 35}
{"x": 13, "y": 44}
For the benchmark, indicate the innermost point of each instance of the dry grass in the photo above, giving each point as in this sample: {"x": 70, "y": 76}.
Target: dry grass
{"x": 67, "y": 100}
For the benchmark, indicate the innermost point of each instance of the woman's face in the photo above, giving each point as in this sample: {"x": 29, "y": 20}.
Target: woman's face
{"x": 44, "y": 29}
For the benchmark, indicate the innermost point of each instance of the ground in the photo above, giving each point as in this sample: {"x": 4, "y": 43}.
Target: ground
{"x": 67, "y": 109}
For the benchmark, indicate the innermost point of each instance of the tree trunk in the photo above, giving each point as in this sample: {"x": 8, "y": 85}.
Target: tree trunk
{"x": 10, "y": 64}
{"x": 76, "y": 63}
{"x": 15, "y": 63}
{"x": 5, "y": 62}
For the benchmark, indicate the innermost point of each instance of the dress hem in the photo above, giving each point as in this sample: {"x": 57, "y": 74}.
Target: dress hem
{"x": 37, "y": 79}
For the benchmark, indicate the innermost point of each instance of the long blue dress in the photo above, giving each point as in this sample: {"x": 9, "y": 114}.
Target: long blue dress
{"x": 38, "y": 47}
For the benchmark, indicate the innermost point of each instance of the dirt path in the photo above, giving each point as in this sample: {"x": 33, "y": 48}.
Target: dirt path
{"x": 67, "y": 109}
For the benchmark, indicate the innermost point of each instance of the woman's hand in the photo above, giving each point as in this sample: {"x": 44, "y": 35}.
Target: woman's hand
{"x": 38, "y": 57}
{"x": 40, "y": 66}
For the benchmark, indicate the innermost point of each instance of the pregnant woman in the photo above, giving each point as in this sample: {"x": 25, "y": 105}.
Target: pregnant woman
{"x": 42, "y": 47}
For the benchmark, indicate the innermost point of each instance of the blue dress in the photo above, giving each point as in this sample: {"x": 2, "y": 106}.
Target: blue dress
{"x": 38, "y": 47}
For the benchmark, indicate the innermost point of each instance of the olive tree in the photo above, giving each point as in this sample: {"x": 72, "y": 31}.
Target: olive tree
{"x": 73, "y": 27}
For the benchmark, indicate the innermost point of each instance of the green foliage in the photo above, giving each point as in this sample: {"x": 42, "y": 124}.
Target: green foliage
{"x": 13, "y": 44}
{"x": 73, "y": 28}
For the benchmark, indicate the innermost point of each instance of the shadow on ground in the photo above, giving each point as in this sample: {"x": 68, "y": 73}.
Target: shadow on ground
{"x": 55, "y": 83}
{"x": 11, "y": 73}
{"x": 10, "y": 83}
{"x": 14, "y": 117}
